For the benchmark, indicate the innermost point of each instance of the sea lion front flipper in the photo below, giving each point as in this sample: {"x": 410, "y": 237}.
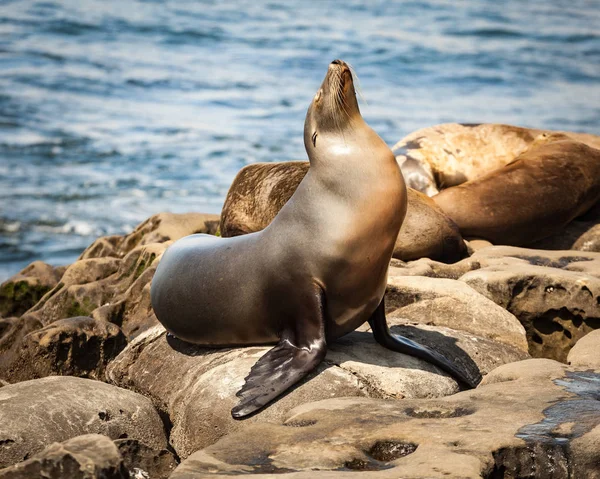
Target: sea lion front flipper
{"x": 404, "y": 345}
{"x": 297, "y": 354}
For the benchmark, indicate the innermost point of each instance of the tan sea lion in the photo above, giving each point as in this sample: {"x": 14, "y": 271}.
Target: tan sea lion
{"x": 260, "y": 190}
{"x": 449, "y": 154}
{"x": 281, "y": 286}
{"x": 554, "y": 181}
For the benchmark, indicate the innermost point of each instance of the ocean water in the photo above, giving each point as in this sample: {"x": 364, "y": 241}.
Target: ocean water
{"x": 111, "y": 111}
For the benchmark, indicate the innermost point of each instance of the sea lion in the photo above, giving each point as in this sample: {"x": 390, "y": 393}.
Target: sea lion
{"x": 260, "y": 190}
{"x": 556, "y": 180}
{"x": 281, "y": 286}
{"x": 450, "y": 154}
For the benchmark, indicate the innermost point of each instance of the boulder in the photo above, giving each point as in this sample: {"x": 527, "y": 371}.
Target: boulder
{"x": 159, "y": 228}
{"x": 452, "y": 304}
{"x": 556, "y": 306}
{"x": 533, "y": 418}
{"x": 554, "y": 294}
{"x": 79, "y": 346}
{"x": 91, "y": 456}
{"x": 27, "y": 287}
{"x": 589, "y": 241}
{"x": 586, "y": 352}
{"x": 111, "y": 280}
{"x": 36, "y": 413}
{"x": 196, "y": 386}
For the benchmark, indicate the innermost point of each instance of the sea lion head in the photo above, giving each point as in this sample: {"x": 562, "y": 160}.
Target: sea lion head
{"x": 334, "y": 108}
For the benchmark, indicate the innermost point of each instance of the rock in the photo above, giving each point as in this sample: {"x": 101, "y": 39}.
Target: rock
{"x": 508, "y": 255}
{"x": 196, "y": 386}
{"x": 156, "y": 229}
{"x": 78, "y": 346}
{"x": 554, "y": 294}
{"x": 36, "y": 413}
{"x": 111, "y": 280}
{"x": 589, "y": 241}
{"x": 91, "y": 456}
{"x": 584, "y": 452}
{"x": 477, "y": 244}
{"x": 557, "y": 307}
{"x": 27, "y": 287}
{"x": 533, "y": 418}
{"x": 12, "y": 332}
{"x": 586, "y": 352}
{"x": 143, "y": 461}
{"x": 452, "y": 304}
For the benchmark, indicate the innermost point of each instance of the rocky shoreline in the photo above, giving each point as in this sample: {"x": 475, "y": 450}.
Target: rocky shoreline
{"x": 93, "y": 385}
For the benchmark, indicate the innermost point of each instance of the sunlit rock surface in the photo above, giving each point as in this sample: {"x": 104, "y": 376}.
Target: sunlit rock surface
{"x": 534, "y": 418}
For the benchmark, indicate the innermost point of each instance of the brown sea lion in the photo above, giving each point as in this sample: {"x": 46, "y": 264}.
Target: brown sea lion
{"x": 449, "y": 154}
{"x": 282, "y": 286}
{"x": 554, "y": 181}
{"x": 260, "y": 190}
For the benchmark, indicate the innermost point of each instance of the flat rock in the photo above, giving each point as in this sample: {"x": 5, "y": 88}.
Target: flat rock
{"x": 34, "y": 414}
{"x": 79, "y": 346}
{"x": 534, "y": 418}
{"x": 588, "y": 262}
{"x": 91, "y": 456}
{"x": 586, "y": 352}
{"x": 578, "y": 261}
{"x": 27, "y": 287}
{"x": 196, "y": 386}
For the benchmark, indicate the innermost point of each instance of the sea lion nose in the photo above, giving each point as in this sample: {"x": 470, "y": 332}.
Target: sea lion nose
{"x": 337, "y": 62}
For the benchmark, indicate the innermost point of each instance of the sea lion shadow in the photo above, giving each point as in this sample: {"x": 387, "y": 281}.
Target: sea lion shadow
{"x": 372, "y": 353}
{"x": 194, "y": 350}
{"x": 360, "y": 347}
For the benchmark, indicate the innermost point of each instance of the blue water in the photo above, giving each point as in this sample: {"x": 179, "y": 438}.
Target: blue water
{"x": 111, "y": 111}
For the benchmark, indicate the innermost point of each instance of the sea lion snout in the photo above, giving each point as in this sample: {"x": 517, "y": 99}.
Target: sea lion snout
{"x": 339, "y": 66}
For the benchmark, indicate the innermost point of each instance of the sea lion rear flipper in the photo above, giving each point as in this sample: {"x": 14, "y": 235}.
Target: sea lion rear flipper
{"x": 287, "y": 363}
{"x": 404, "y": 345}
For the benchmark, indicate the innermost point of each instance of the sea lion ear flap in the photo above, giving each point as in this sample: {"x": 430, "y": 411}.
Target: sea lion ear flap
{"x": 287, "y": 363}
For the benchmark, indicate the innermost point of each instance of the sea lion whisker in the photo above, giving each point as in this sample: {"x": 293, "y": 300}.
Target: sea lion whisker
{"x": 357, "y": 86}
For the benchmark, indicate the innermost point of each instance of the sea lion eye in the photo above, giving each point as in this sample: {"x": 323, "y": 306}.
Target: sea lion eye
{"x": 318, "y": 95}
